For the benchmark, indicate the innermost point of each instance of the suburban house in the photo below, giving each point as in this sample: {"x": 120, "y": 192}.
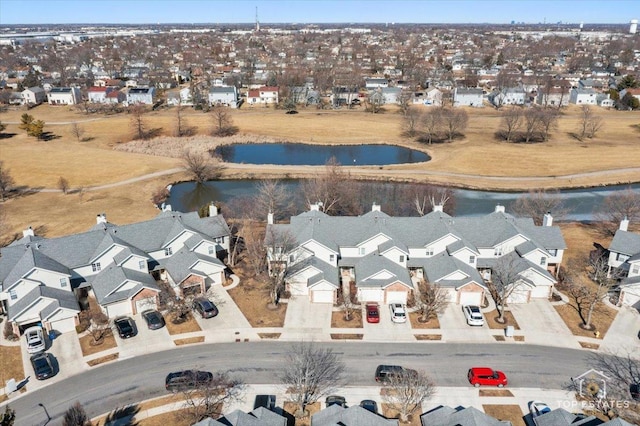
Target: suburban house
{"x": 382, "y": 258}
{"x": 624, "y": 256}
{"x": 260, "y": 416}
{"x": 374, "y": 83}
{"x": 98, "y": 94}
{"x": 42, "y": 280}
{"x": 580, "y": 96}
{"x": 224, "y": 95}
{"x": 264, "y": 95}
{"x": 555, "y": 96}
{"x": 509, "y": 96}
{"x": 115, "y": 96}
{"x": 633, "y": 91}
{"x": 469, "y": 416}
{"x": 141, "y": 95}
{"x": 385, "y": 95}
{"x": 433, "y": 96}
{"x": 561, "y": 417}
{"x": 355, "y": 415}
{"x": 33, "y": 96}
{"x": 64, "y": 96}
{"x": 467, "y": 97}
{"x": 605, "y": 101}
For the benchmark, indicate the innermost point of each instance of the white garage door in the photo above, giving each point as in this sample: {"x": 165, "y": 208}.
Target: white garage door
{"x": 396, "y": 297}
{"x": 541, "y": 292}
{"x": 370, "y": 295}
{"x": 64, "y": 325}
{"x": 120, "y": 308}
{"x": 298, "y": 288}
{"x": 470, "y": 298}
{"x": 631, "y": 299}
{"x": 144, "y": 304}
{"x": 519, "y": 296}
{"x": 322, "y": 296}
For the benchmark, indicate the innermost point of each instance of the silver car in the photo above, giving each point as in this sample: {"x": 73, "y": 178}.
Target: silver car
{"x": 398, "y": 312}
{"x": 473, "y": 315}
{"x": 35, "y": 339}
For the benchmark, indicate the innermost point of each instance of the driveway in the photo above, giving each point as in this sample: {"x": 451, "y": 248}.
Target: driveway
{"x": 542, "y": 325}
{"x": 387, "y": 330}
{"x": 306, "y": 320}
{"x": 145, "y": 341}
{"x": 454, "y": 327}
{"x": 623, "y": 334}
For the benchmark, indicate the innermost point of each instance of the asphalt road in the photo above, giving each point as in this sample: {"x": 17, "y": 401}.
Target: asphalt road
{"x": 135, "y": 379}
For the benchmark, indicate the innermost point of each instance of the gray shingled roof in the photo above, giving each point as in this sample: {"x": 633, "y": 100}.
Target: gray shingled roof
{"x": 625, "y": 242}
{"x": 352, "y": 416}
{"x": 373, "y": 263}
{"x": 327, "y": 271}
{"x": 58, "y": 299}
{"x": 180, "y": 264}
{"x": 258, "y": 417}
{"x": 31, "y": 258}
{"x": 447, "y": 416}
{"x": 112, "y": 277}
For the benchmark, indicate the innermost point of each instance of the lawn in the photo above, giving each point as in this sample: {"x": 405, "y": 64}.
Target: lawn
{"x": 108, "y": 342}
{"x": 602, "y": 318}
{"x": 414, "y": 317}
{"x": 291, "y": 408}
{"x": 338, "y": 321}
{"x": 188, "y": 326}
{"x": 189, "y": 341}
{"x": 174, "y": 418}
{"x": 512, "y": 413}
{"x": 103, "y": 359}
{"x": 10, "y": 364}
{"x": 492, "y": 320}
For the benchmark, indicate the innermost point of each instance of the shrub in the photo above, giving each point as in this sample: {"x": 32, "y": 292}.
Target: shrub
{"x": 8, "y": 332}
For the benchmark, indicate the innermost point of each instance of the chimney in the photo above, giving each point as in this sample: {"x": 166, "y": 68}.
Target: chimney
{"x": 166, "y": 207}
{"x": 375, "y": 207}
{"x": 499, "y": 208}
{"x": 547, "y": 219}
{"x": 213, "y": 210}
{"x": 101, "y": 218}
{"x": 270, "y": 218}
{"x": 624, "y": 224}
{"x": 438, "y": 207}
{"x": 28, "y": 232}
{"x": 314, "y": 207}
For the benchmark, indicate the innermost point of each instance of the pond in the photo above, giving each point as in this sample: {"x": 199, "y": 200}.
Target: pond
{"x": 299, "y": 154}
{"x": 188, "y": 196}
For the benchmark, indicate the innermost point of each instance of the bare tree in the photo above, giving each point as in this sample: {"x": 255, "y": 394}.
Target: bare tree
{"x": 99, "y": 321}
{"x": 271, "y": 197}
{"x": 511, "y": 122}
{"x": 8, "y": 417}
{"x": 616, "y": 207}
{"x": 589, "y": 123}
{"x": 222, "y": 122}
{"x": 505, "y": 280}
{"x": 138, "y": 123}
{"x": 432, "y": 122}
{"x": 531, "y": 124}
{"x": 411, "y": 119}
{"x": 407, "y": 390}
{"x": 548, "y": 121}
{"x": 6, "y": 181}
{"x": 255, "y": 249}
{"x": 432, "y": 300}
{"x": 535, "y": 204}
{"x": 201, "y": 166}
{"x": 207, "y": 399}
{"x": 77, "y": 130}
{"x": 346, "y": 300}
{"x": 310, "y": 373}
{"x": 63, "y": 185}
{"x": 178, "y": 307}
{"x": 76, "y": 416}
{"x": 454, "y": 122}
{"x": 280, "y": 246}
{"x": 333, "y": 190}
{"x": 181, "y": 126}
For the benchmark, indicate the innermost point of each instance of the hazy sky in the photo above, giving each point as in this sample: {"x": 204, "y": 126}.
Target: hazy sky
{"x": 316, "y": 11}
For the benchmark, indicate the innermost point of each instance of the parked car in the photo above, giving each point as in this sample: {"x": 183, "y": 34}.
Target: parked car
{"x": 634, "y": 390}
{"x": 205, "y": 307}
{"x": 384, "y": 372}
{"x": 153, "y": 319}
{"x": 373, "y": 313}
{"x": 266, "y": 401}
{"x": 187, "y": 379}
{"x": 370, "y": 405}
{"x": 126, "y": 327}
{"x": 537, "y": 408}
{"x": 336, "y": 400}
{"x": 42, "y": 364}
{"x": 35, "y": 339}
{"x": 473, "y": 315}
{"x": 398, "y": 312}
{"x": 292, "y": 111}
{"x": 486, "y": 376}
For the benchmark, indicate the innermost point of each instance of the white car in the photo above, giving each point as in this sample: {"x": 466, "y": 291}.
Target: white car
{"x": 398, "y": 312}
{"x": 538, "y": 408}
{"x": 35, "y": 339}
{"x": 473, "y": 315}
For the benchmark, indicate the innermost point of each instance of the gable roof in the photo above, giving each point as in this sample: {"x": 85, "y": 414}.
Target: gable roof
{"x": 351, "y": 416}
{"x": 459, "y": 416}
{"x": 625, "y": 242}
{"x": 107, "y": 283}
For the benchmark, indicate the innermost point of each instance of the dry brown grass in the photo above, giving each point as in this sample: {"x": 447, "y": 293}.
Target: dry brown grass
{"x": 494, "y": 392}
{"x": 602, "y": 318}
{"x": 338, "y": 321}
{"x": 188, "y": 326}
{"x": 103, "y": 359}
{"x": 491, "y": 319}
{"x": 414, "y": 317}
{"x": 512, "y": 413}
{"x": 174, "y": 418}
{"x": 580, "y": 238}
{"x": 499, "y": 338}
{"x": 11, "y": 364}
{"x": 189, "y": 340}
{"x": 108, "y": 342}
{"x": 291, "y": 408}
{"x": 346, "y": 336}
{"x": 428, "y": 336}
{"x": 269, "y": 335}
{"x": 589, "y": 345}
{"x": 391, "y": 412}
{"x": 518, "y": 338}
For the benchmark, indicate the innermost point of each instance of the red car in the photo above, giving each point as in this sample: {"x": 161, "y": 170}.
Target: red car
{"x": 486, "y": 376}
{"x": 373, "y": 313}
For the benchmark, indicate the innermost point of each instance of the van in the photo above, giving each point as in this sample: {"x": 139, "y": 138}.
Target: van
{"x": 187, "y": 379}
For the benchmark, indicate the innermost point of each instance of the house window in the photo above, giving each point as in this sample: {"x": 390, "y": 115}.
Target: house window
{"x": 543, "y": 261}
{"x": 553, "y": 252}
{"x": 362, "y": 251}
{"x": 13, "y": 294}
{"x": 497, "y": 251}
{"x": 168, "y": 251}
{"x": 219, "y": 240}
{"x": 622, "y": 257}
{"x": 429, "y": 251}
{"x": 291, "y": 258}
{"x": 142, "y": 265}
{"x": 472, "y": 260}
{"x": 635, "y": 269}
{"x": 332, "y": 257}
{"x": 211, "y": 250}
{"x": 96, "y": 266}
{"x": 402, "y": 258}
{"x": 63, "y": 282}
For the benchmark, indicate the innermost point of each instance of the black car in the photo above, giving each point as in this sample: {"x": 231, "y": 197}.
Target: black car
{"x": 126, "y": 327}
{"x": 634, "y": 390}
{"x": 370, "y": 405}
{"x": 336, "y": 400}
{"x": 291, "y": 111}
{"x": 384, "y": 371}
{"x": 266, "y": 401}
{"x": 205, "y": 307}
{"x": 187, "y": 379}
{"x": 43, "y": 365}
{"x": 153, "y": 319}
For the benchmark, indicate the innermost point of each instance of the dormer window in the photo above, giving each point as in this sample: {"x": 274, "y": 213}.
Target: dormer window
{"x": 472, "y": 260}
{"x": 13, "y": 295}
{"x": 543, "y": 261}
{"x": 635, "y": 269}
{"x": 63, "y": 282}
{"x": 168, "y": 251}
{"x": 96, "y": 266}
{"x": 429, "y": 251}
{"x": 402, "y": 258}
{"x": 332, "y": 257}
{"x": 362, "y": 251}
{"x": 497, "y": 251}
{"x": 211, "y": 250}
{"x": 142, "y": 265}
